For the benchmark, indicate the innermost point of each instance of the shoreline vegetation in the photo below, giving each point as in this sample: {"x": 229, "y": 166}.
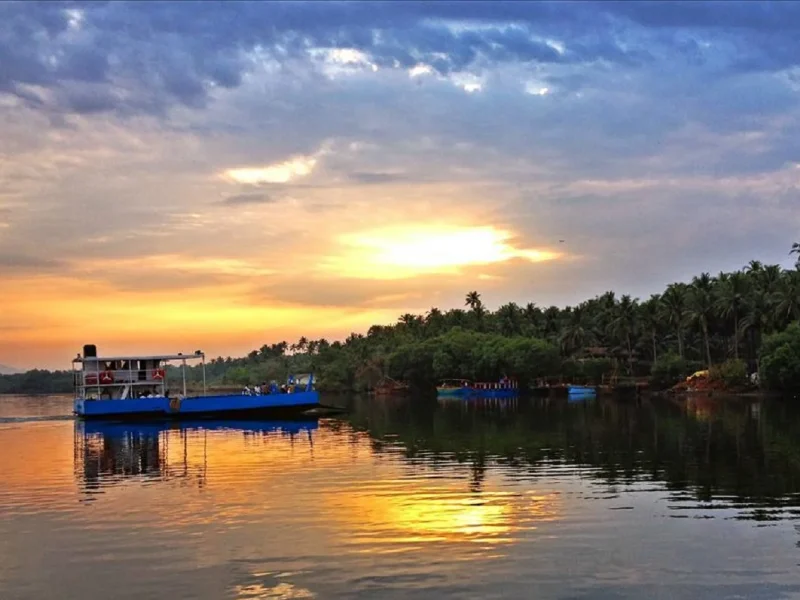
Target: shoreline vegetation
{"x": 743, "y": 328}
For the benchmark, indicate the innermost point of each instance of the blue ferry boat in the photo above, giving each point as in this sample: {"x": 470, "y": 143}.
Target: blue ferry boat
{"x": 137, "y": 387}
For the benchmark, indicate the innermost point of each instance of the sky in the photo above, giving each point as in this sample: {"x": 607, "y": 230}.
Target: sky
{"x": 216, "y": 176}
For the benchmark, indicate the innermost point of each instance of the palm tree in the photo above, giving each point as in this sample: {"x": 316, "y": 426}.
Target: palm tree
{"x": 796, "y": 250}
{"x": 787, "y": 299}
{"x": 731, "y": 299}
{"x": 410, "y": 321}
{"x": 649, "y": 317}
{"x": 577, "y": 332}
{"x": 623, "y": 325}
{"x": 551, "y": 315}
{"x": 674, "y": 302}
{"x": 532, "y": 315}
{"x": 473, "y": 300}
{"x": 754, "y": 267}
{"x": 701, "y": 308}
{"x": 509, "y": 319}
{"x": 434, "y": 321}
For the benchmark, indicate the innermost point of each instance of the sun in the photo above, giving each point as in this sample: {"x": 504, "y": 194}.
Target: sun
{"x": 405, "y": 251}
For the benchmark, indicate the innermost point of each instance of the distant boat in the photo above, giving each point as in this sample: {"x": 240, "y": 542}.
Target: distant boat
{"x": 581, "y": 390}
{"x": 463, "y": 388}
{"x": 457, "y": 388}
{"x": 136, "y": 387}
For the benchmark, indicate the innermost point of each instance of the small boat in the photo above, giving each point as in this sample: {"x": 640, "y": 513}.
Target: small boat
{"x": 454, "y": 388}
{"x": 136, "y": 387}
{"x": 462, "y": 388}
{"x": 581, "y": 390}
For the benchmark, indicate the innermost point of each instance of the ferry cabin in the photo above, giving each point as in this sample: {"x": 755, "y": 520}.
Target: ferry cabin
{"x": 122, "y": 378}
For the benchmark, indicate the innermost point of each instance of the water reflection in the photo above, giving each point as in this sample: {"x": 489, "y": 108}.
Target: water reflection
{"x": 111, "y": 452}
{"x": 742, "y": 453}
{"x": 410, "y": 499}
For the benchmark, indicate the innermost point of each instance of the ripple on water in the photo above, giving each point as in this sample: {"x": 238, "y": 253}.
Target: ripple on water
{"x": 416, "y": 503}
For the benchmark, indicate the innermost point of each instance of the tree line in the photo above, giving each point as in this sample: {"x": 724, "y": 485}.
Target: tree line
{"x": 729, "y": 319}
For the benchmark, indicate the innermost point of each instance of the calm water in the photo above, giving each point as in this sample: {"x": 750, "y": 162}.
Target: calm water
{"x": 402, "y": 499}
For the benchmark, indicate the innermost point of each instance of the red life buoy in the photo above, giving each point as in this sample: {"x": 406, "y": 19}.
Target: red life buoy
{"x": 91, "y": 378}
{"x": 158, "y": 374}
{"x": 106, "y": 377}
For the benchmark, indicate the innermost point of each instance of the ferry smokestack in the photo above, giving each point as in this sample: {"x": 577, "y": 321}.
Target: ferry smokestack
{"x": 89, "y": 351}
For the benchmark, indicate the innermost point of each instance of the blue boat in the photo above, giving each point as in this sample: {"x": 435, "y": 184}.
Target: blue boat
{"x": 462, "y": 388}
{"x": 581, "y": 390}
{"x": 137, "y": 387}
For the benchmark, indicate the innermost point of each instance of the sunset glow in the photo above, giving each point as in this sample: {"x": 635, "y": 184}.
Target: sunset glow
{"x": 276, "y": 173}
{"x": 301, "y": 171}
{"x": 405, "y": 251}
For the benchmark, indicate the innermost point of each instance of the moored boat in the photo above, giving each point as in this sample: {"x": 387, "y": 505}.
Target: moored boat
{"x": 462, "y": 388}
{"x": 581, "y": 390}
{"x": 136, "y": 387}
{"x": 454, "y": 388}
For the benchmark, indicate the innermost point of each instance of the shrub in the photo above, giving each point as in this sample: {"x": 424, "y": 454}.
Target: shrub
{"x": 733, "y": 373}
{"x": 780, "y": 360}
{"x": 670, "y": 368}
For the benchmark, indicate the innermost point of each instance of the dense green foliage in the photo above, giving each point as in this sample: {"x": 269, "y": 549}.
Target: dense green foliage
{"x": 732, "y": 372}
{"x": 780, "y": 359}
{"x": 689, "y": 326}
{"x": 670, "y": 368}
{"x": 36, "y": 382}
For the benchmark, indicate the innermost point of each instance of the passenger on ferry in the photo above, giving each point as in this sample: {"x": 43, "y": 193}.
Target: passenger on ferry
{"x": 256, "y": 390}
{"x": 246, "y": 391}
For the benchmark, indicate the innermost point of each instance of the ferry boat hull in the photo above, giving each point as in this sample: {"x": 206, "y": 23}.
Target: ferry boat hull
{"x": 198, "y": 406}
{"x": 480, "y": 390}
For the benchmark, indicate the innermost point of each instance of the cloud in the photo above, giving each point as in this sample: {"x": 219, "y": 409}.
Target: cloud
{"x": 666, "y": 143}
{"x": 249, "y": 198}
{"x": 163, "y": 55}
{"x": 369, "y": 177}
{"x": 25, "y": 265}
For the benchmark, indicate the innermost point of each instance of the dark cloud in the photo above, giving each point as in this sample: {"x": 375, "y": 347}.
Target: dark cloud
{"x": 377, "y": 177}
{"x": 250, "y": 198}
{"x": 163, "y": 53}
{"x": 12, "y": 263}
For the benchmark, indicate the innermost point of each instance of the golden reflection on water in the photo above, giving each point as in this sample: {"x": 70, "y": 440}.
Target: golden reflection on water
{"x": 246, "y": 476}
{"x": 403, "y": 516}
{"x": 280, "y": 591}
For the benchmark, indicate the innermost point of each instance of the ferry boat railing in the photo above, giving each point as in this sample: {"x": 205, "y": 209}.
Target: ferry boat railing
{"x": 103, "y": 374}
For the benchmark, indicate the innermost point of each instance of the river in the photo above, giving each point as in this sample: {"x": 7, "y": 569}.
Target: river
{"x": 406, "y": 499}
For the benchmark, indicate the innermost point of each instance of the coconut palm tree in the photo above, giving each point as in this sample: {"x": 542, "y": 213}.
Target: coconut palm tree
{"x": 509, "y": 319}
{"x": 434, "y": 321}
{"x": 796, "y": 250}
{"x": 623, "y": 325}
{"x": 730, "y": 302}
{"x": 754, "y": 267}
{"x": 674, "y": 301}
{"x": 701, "y": 308}
{"x": 577, "y": 333}
{"x": 787, "y": 299}
{"x": 473, "y": 300}
{"x": 650, "y": 318}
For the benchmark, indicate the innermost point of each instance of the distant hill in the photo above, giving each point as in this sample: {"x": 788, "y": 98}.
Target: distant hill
{"x": 5, "y": 370}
